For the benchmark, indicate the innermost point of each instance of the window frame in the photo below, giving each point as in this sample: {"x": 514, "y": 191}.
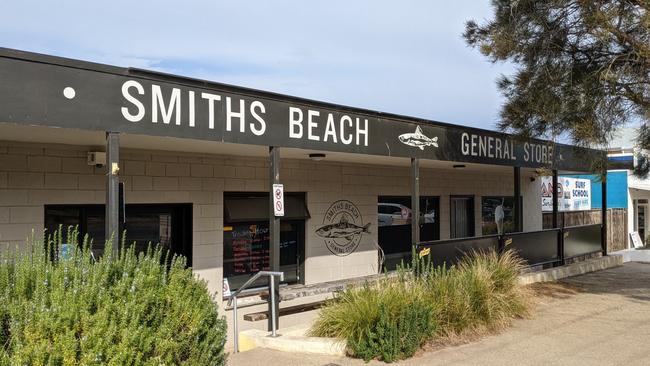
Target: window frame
{"x": 182, "y": 220}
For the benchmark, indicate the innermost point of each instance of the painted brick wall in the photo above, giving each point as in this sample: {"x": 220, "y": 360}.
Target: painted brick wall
{"x": 32, "y": 175}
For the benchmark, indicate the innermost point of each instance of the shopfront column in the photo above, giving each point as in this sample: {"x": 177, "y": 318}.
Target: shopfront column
{"x": 274, "y": 229}
{"x": 517, "y": 199}
{"x": 555, "y": 200}
{"x": 415, "y": 201}
{"x": 603, "y": 234}
{"x": 112, "y": 224}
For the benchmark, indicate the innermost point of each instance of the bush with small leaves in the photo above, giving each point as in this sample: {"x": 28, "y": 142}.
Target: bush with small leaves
{"x": 59, "y": 308}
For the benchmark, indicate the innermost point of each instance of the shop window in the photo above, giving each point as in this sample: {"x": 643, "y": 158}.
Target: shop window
{"x": 246, "y": 237}
{"x": 497, "y": 215}
{"x": 167, "y": 225}
{"x": 394, "y": 220}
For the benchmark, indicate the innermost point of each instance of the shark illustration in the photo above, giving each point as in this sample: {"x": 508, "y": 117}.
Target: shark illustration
{"x": 418, "y": 139}
{"x": 342, "y": 229}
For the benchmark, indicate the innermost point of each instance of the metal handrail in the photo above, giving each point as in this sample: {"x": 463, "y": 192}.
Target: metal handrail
{"x": 233, "y": 302}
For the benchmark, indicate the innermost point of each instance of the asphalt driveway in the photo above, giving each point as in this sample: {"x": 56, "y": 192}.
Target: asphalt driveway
{"x": 601, "y": 318}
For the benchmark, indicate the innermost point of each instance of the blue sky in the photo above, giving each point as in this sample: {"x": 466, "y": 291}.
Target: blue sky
{"x": 403, "y": 57}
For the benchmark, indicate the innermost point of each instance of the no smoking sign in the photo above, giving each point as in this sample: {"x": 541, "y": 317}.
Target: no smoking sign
{"x": 278, "y": 200}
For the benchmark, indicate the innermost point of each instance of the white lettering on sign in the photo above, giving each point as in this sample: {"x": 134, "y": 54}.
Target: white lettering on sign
{"x": 230, "y": 114}
{"x": 257, "y": 105}
{"x": 131, "y": 99}
{"x": 349, "y": 130}
{"x": 192, "y": 110}
{"x": 504, "y": 149}
{"x": 345, "y": 120}
{"x": 236, "y": 115}
{"x": 158, "y": 104}
{"x": 362, "y": 132}
{"x": 487, "y": 147}
{"x": 330, "y": 130}
{"x": 311, "y": 124}
{"x": 278, "y": 199}
{"x": 538, "y": 153}
{"x": 211, "y": 98}
{"x": 295, "y": 121}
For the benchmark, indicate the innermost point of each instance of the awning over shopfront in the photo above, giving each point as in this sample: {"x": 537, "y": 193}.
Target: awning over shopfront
{"x": 246, "y": 208}
{"x": 57, "y": 92}
{"x": 635, "y": 182}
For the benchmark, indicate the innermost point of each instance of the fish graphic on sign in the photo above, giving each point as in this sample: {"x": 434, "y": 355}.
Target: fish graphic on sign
{"x": 342, "y": 229}
{"x": 418, "y": 139}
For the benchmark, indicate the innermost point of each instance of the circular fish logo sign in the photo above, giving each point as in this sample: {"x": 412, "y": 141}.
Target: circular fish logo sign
{"x": 342, "y": 228}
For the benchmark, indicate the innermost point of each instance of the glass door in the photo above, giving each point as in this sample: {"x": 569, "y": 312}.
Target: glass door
{"x": 640, "y": 221}
{"x": 246, "y": 237}
{"x": 246, "y": 251}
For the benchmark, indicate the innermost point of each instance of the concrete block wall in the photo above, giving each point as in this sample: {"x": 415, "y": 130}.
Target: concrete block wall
{"x": 33, "y": 175}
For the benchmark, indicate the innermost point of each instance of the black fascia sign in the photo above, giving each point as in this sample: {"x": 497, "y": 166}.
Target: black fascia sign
{"x": 75, "y": 94}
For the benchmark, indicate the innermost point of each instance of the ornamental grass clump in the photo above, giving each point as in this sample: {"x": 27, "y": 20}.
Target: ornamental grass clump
{"x": 59, "y": 305}
{"x": 394, "y": 317}
{"x": 378, "y": 321}
{"x": 480, "y": 292}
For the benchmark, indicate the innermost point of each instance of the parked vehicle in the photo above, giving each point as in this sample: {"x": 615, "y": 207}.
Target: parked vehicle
{"x": 393, "y": 214}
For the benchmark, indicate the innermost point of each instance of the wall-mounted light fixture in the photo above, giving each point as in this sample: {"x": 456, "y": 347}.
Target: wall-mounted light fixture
{"x": 317, "y": 157}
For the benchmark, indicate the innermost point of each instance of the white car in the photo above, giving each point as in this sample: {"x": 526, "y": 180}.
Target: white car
{"x": 393, "y": 214}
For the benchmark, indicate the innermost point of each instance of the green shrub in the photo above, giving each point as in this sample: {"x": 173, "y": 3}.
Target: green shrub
{"x": 392, "y": 318}
{"x": 377, "y": 321}
{"x": 481, "y": 291}
{"x": 133, "y": 309}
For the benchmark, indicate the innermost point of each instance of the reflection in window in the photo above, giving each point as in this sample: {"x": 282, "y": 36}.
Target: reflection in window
{"x": 394, "y": 216}
{"x": 157, "y": 224}
{"x": 246, "y": 251}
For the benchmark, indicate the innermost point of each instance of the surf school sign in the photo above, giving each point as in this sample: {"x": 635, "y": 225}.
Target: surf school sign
{"x": 574, "y": 194}
{"x": 342, "y": 228}
{"x": 73, "y": 94}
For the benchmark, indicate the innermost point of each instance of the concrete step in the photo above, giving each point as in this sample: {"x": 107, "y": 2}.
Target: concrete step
{"x": 573, "y": 269}
{"x": 635, "y": 255}
{"x": 290, "y": 340}
{"x": 289, "y": 310}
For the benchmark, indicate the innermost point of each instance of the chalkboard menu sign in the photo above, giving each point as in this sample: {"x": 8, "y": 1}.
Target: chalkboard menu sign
{"x": 247, "y": 249}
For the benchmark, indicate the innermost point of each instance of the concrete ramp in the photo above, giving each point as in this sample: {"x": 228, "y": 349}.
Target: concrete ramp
{"x": 291, "y": 340}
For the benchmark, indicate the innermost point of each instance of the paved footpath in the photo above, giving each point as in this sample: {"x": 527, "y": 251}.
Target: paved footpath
{"x": 601, "y": 318}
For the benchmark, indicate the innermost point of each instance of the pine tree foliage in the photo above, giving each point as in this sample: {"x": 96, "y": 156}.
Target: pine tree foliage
{"x": 132, "y": 309}
{"x": 582, "y": 66}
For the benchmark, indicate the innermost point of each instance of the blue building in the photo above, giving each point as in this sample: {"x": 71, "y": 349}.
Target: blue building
{"x": 617, "y": 189}
{"x": 624, "y": 192}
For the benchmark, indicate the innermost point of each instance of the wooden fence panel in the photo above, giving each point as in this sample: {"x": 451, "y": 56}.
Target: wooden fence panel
{"x": 616, "y": 224}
